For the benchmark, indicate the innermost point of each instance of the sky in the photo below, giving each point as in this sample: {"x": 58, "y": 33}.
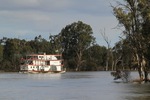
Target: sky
{"x": 26, "y": 19}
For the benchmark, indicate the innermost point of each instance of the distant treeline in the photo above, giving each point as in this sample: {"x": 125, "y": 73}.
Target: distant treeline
{"x": 75, "y": 42}
{"x": 79, "y": 49}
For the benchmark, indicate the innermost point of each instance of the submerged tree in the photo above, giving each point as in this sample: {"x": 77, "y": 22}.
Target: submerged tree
{"x": 122, "y": 55}
{"x": 134, "y": 17}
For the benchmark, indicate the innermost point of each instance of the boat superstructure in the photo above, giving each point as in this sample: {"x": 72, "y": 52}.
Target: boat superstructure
{"x": 42, "y": 63}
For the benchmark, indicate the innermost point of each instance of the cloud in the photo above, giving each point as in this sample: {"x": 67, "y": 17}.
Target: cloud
{"x": 18, "y": 4}
{"x": 29, "y": 18}
{"x": 34, "y": 5}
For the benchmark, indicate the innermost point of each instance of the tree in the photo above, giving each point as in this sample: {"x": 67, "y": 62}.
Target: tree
{"x": 95, "y": 57}
{"x": 38, "y": 45}
{"x": 1, "y": 52}
{"x": 109, "y": 50}
{"x": 76, "y": 38}
{"x": 134, "y": 17}
{"x": 122, "y": 55}
{"x": 56, "y": 44}
{"x": 11, "y": 54}
{"x": 12, "y": 50}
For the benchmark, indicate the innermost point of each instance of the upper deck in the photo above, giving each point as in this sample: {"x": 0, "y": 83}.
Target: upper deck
{"x": 43, "y": 57}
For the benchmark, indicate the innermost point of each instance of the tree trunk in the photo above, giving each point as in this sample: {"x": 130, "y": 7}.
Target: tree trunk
{"x": 140, "y": 73}
{"x": 146, "y": 76}
{"x": 139, "y": 66}
{"x": 106, "y": 66}
{"x": 145, "y": 69}
{"x": 112, "y": 67}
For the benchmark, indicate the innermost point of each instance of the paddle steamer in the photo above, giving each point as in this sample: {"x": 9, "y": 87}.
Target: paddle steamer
{"x": 42, "y": 63}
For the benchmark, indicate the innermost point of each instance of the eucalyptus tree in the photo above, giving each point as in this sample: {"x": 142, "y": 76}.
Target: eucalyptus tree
{"x": 39, "y": 45}
{"x": 1, "y": 52}
{"x": 134, "y": 17}
{"x": 95, "y": 57}
{"x": 122, "y": 55}
{"x": 109, "y": 50}
{"x": 11, "y": 54}
{"x": 13, "y": 50}
{"x": 76, "y": 38}
{"x": 56, "y": 44}
{"x": 2, "y": 42}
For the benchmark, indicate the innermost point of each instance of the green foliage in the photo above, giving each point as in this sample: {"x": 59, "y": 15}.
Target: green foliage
{"x": 12, "y": 50}
{"x": 122, "y": 55}
{"x": 75, "y": 42}
{"x": 76, "y": 38}
{"x": 56, "y": 44}
{"x": 134, "y": 16}
{"x": 1, "y": 52}
{"x": 95, "y": 57}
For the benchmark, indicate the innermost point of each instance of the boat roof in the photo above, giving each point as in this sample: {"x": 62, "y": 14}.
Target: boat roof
{"x": 44, "y": 55}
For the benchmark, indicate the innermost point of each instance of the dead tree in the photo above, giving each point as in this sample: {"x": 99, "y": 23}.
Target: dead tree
{"x": 109, "y": 50}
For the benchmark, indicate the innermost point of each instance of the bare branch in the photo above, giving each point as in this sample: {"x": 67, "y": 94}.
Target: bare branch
{"x": 105, "y": 38}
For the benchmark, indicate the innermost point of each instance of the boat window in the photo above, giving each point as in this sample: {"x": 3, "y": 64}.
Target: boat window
{"x": 41, "y": 57}
{"x": 23, "y": 62}
{"x": 29, "y": 57}
{"x": 35, "y": 57}
{"x": 58, "y": 57}
{"x": 47, "y": 62}
{"x": 53, "y": 68}
{"x": 30, "y": 62}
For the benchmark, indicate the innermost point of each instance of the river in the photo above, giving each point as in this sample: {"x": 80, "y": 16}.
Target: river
{"x": 70, "y": 86}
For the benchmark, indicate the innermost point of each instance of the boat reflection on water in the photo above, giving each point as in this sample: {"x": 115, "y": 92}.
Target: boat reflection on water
{"x": 42, "y": 76}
